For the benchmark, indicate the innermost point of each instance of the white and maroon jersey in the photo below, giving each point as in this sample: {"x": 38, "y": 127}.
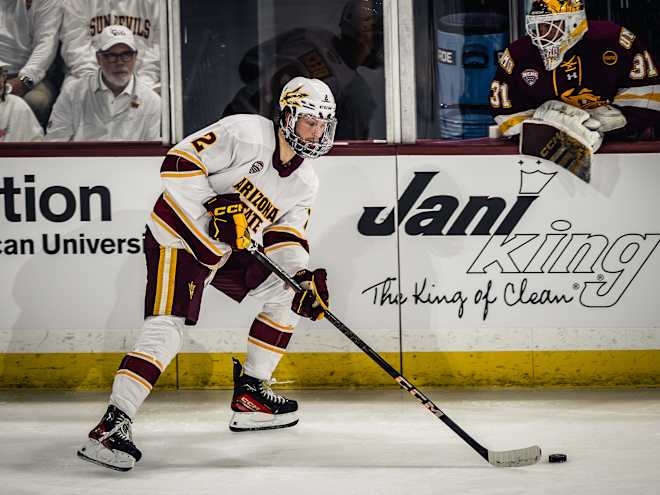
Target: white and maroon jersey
{"x": 237, "y": 154}
{"x": 83, "y": 21}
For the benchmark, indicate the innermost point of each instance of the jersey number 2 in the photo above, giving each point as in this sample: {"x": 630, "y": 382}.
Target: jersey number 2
{"x": 204, "y": 142}
{"x": 499, "y": 96}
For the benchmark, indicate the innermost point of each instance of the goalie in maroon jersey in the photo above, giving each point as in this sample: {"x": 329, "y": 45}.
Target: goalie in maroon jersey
{"x": 570, "y": 82}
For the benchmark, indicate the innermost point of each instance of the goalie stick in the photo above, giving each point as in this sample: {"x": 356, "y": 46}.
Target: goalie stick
{"x": 498, "y": 458}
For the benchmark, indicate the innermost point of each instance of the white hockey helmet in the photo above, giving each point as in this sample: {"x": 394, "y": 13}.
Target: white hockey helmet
{"x": 555, "y": 26}
{"x": 310, "y": 100}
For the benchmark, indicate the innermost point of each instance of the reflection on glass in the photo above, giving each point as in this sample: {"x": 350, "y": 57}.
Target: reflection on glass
{"x": 642, "y": 17}
{"x": 467, "y": 48}
{"x": 237, "y": 56}
{"x": 456, "y": 48}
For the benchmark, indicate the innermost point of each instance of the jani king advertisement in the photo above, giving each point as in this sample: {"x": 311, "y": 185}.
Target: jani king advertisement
{"x": 440, "y": 249}
{"x": 511, "y": 242}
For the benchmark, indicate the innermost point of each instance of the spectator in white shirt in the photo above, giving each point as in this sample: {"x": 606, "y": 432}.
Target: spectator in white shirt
{"x": 84, "y": 20}
{"x": 110, "y": 105}
{"x": 17, "y": 121}
{"x": 29, "y": 32}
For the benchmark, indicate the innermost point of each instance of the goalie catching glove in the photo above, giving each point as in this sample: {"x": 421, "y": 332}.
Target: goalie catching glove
{"x": 228, "y": 223}
{"x": 574, "y": 121}
{"x": 314, "y": 299}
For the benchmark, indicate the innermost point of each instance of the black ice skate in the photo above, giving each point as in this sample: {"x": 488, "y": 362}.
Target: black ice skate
{"x": 110, "y": 443}
{"x": 257, "y": 407}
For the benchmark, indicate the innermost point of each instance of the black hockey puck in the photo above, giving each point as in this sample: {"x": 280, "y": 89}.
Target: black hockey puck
{"x": 557, "y": 458}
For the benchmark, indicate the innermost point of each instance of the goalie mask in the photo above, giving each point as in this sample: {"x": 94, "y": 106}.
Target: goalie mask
{"x": 555, "y": 26}
{"x": 307, "y": 116}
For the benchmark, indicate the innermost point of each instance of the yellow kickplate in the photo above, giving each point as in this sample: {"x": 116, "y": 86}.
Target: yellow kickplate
{"x": 95, "y": 371}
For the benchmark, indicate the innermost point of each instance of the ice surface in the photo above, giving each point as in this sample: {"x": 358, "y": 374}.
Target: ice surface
{"x": 347, "y": 442}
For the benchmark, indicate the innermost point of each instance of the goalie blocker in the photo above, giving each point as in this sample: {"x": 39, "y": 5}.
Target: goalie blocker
{"x": 557, "y": 144}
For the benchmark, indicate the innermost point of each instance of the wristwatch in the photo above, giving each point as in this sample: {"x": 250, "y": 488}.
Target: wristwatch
{"x": 27, "y": 82}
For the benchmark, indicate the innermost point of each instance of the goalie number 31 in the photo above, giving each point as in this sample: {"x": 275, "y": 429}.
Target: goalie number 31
{"x": 643, "y": 66}
{"x": 499, "y": 95}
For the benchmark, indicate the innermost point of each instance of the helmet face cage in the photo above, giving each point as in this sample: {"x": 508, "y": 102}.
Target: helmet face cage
{"x": 554, "y": 33}
{"x": 308, "y": 149}
{"x": 310, "y": 99}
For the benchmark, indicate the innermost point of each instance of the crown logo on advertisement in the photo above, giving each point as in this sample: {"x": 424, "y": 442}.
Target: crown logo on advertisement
{"x": 534, "y": 181}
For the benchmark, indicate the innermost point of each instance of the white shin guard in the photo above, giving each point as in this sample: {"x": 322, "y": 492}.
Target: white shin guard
{"x": 161, "y": 339}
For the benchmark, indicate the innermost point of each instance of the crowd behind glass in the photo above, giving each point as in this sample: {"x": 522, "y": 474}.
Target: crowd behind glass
{"x": 89, "y": 70}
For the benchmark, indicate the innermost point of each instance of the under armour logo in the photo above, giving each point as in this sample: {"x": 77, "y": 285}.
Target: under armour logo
{"x": 572, "y": 75}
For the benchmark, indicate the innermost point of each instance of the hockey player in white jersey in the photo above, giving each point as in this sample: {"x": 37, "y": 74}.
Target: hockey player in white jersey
{"x": 242, "y": 177}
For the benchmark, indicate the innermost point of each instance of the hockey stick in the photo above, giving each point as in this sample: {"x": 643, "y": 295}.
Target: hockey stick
{"x": 501, "y": 458}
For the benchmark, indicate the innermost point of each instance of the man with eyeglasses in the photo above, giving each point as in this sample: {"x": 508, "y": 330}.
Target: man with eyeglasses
{"x": 83, "y": 22}
{"x": 112, "y": 104}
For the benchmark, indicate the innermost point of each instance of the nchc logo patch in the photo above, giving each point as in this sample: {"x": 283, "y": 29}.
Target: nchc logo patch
{"x": 530, "y": 76}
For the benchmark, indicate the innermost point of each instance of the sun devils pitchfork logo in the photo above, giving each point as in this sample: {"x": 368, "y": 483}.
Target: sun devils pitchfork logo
{"x": 293, "y": 97}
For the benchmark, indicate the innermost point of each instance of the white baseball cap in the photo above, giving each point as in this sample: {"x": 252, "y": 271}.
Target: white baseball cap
{"x": 114, "y": 35}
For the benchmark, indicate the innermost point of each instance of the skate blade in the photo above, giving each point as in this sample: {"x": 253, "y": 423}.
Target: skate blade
{"x": 96, "y": 453}
{"x": 254, "y": 421}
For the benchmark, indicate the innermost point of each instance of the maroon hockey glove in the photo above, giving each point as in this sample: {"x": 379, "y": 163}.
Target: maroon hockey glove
{"x": 314, "y": 299}
{"x": 228, "y": 223}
